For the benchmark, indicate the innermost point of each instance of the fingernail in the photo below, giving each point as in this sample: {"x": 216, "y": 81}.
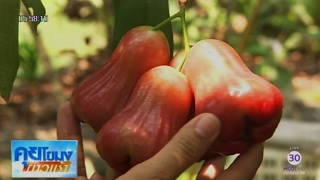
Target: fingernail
{"x": 207, "y": 126}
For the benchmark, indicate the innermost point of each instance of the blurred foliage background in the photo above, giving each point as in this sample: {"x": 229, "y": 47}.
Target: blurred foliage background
{"x": 279, "y": 40}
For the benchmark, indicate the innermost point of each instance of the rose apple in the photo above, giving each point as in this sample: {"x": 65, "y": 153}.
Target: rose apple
{"x": 248, "y": 106}
{"x": 156, "y": 110}
{"x": 103, "y": 93}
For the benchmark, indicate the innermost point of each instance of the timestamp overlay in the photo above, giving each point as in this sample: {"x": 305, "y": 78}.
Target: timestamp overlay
{"x": 33, "y": 18}
{"x": 294, "y": 159}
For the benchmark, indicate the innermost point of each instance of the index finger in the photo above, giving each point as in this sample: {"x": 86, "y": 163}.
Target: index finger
{"x": 246, "y": 165}
{"x": 68, "y": 128}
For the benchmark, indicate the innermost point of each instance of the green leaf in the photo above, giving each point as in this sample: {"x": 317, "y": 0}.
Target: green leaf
{"x": 9, "y": 52}
{"x": 38, "y": 10}
{"x": 132, "y": 13}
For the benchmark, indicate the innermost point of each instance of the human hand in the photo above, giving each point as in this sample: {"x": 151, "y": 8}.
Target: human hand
{"x": 185, "y": 148}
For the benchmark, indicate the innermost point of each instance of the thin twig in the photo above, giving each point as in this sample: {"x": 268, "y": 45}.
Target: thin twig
{"x": 249, "y": 28}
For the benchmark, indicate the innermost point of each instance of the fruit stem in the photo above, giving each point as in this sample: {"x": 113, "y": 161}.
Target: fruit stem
{"x": 169, "y": 19}
{"x": 185, "y": 36}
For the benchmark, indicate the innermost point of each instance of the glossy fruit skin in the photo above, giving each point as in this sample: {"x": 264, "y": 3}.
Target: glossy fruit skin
{"x": 248, "y": 106}
{"x": 157, "y": 109}
{"x": 103, "y": 93}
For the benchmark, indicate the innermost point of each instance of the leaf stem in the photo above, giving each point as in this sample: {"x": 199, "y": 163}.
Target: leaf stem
{"x": 157, "y": 27}
{"x": 185, "y": 36}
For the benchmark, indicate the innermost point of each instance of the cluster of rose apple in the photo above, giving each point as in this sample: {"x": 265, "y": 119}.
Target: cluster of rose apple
{"x": 139, "y": 99}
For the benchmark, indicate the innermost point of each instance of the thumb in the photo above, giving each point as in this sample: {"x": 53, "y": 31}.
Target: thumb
{"x": 185, "y": 148}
